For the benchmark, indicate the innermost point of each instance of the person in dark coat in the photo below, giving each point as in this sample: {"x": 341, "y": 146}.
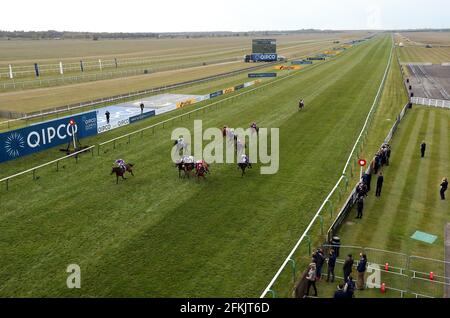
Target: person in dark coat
{"x": 142, "y": 107}
{"x": 367, "y": 178}
{"x": 361, "y": 269}
{"x": 331, "y": 265}
{"x": 388, "y": 154}
{"x": 444, "y": 187}
{"x": 360, "y": 207}
{"x": 350, "y": 287}
{"x": 380, "y": 181}
{"x": 348, "y": 267}
{"x": 339, "y": 293}
{"x": 319, "y": 259}
{"x": 107, "y": 114}
{"x": 423, "y": 147}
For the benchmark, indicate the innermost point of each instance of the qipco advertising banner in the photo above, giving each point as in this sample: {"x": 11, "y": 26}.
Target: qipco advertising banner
{"x": 32, "y": 139}
{"x": 261, "y": 57}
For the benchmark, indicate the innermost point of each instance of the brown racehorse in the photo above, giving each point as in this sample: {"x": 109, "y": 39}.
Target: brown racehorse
{"x": 201, "y": 169}
{"x": 186, "y": 167}
{"x": 244, "y": 166}
{"x": 120, "y": 172}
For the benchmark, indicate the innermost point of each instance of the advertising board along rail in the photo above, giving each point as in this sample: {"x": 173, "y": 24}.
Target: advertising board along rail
{"x": 289, "y": 258}
{"x": 33, "y": 170}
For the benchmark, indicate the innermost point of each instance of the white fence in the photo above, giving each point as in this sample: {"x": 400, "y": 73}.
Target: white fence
{"x": 441, "y": 103}
{"x": 318, "y": 215}
{"x": 106, "y": 75}
{"x": 56, "y": 161}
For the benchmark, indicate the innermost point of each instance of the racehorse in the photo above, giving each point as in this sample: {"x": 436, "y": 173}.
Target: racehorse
{"x": 243, "y": 166}
{"x": 201, "y": 169}
{"x": 120, "y": 171}
{"x": 187, "y": 167}
{"x": 301, "y": 104}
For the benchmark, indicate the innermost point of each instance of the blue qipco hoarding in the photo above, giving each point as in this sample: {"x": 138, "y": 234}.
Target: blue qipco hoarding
{"x": 35, "y": 138}
{"x": 143, "y": 116}
{"x": 255, "y": 75}
{"x": 264, "y": 57}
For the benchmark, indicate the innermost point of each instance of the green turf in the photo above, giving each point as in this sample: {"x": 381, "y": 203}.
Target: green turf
{"x": 410, "y": 198}
{"x": 156, "y": 235}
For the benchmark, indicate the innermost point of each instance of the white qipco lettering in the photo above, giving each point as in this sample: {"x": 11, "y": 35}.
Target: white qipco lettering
{"x": 45, "y": 136}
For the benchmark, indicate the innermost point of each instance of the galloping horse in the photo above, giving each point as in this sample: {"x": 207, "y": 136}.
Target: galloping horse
{"x": 187, "y": 167}
{"x": 201, "y": 169}
{"x": 120, "y": 171}
{"x": 243, "y": 166}
{"x": 301, "y": 104}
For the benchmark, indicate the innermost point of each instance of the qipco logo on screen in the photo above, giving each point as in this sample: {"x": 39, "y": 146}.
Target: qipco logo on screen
{"x": 47, "y": 135}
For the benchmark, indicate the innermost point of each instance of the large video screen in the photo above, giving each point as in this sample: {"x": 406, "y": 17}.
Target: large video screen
{"x": 264, "y": 46}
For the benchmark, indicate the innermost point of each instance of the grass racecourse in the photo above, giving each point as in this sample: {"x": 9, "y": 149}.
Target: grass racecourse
{"x": 155, "y": 235}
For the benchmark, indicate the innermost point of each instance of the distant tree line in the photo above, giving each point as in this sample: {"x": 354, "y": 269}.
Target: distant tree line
{"x": 56, "y": 35}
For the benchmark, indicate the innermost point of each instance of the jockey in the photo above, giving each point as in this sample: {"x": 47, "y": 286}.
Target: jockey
{"x": 253, "y": 126}
{"x": 301, "y": 103}
{"x": 244, "y": 159}
{"x": 121, "y": 164}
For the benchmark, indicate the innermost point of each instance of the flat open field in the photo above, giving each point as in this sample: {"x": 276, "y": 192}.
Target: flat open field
{"x": 36, "y": 99}
{"x": 19, "y": 51}
{"x": 225, "y": 236}
{"x": 131, "y": 55}
{"x": 423, "y": 38}
{"x": 418, "y": 54}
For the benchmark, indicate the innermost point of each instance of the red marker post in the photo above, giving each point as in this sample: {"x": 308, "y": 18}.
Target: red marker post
{"x": 386, "y": 267}
{"x": 431, "y": 276}
{"x": 72, "y": 125}
{"x": 383, "y": 288}
{"x": 362, "y": 163}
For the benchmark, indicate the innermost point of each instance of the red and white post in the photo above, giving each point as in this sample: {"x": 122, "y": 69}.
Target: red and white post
{"x": 362, "y": 163}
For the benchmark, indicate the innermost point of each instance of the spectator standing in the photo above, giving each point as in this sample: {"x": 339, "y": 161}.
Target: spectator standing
{"x": 331, "y": 265}
{"x": 367, "y": 178}
{"x": 350, "y": 287}
{"x": 311, "y": 277}
{"x": 319, "y": 263}
{"x": 423, "y": 147}
{"x": 361, "y": 268}
{"x": 142, "y": 107}
{"x": 380, "y": 181}
{"x": 348, "y": 266}
{"x": 444, "y": 187}
{"x": 388, "y": 154}
{"x": 360, "y": 207}
{"x": 107, "y": 114}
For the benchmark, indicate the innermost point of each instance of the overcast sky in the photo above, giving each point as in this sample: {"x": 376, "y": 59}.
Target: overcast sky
{"x": 218, "y": 15}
